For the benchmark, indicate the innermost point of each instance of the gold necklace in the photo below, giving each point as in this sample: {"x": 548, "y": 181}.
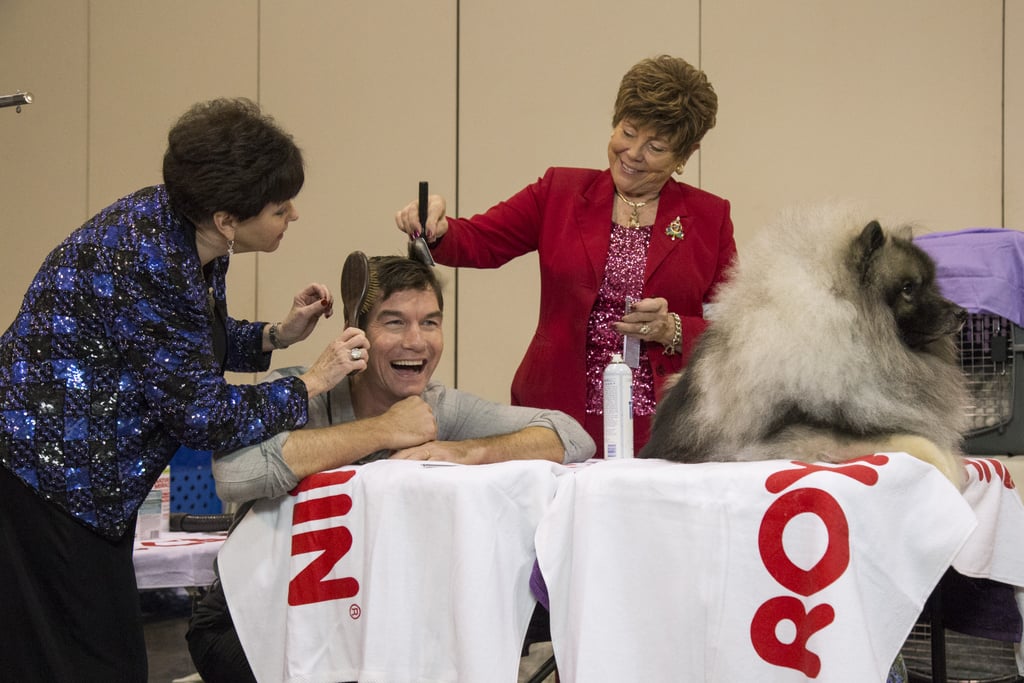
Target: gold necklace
{"x": 634, "y": 217}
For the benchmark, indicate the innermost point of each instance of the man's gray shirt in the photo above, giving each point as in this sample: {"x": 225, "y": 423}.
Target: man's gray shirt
{"x": 259, "y": 471}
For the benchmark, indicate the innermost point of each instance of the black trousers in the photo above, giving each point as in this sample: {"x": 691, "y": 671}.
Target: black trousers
{"x": 69, "y": 603}
{"x": 213, "y": 641}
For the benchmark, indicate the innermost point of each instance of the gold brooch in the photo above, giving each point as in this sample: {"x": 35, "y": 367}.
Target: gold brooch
{"x": 675, "y": 229}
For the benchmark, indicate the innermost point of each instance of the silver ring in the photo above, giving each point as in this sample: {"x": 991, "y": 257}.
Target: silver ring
{"x": 644, "y": 329}
{"x": 355, "y": 354}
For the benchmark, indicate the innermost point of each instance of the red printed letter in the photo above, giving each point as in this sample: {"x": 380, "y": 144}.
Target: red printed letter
{"x": 322, "y": 479}
{"x": 837, "y": 554}
{"x": 794, "y": 655}
{"x": 853, "y": 468}
{"x": 309, "y": 585}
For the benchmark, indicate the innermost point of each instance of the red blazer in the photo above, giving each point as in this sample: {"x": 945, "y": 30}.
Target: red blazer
{"x": 566, "y": 217}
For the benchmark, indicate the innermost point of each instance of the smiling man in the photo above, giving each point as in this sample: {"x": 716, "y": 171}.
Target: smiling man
{"x": 392, "y": 409}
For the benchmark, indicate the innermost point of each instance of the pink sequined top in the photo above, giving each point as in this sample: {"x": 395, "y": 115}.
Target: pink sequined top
{"x": 623, "y": 276}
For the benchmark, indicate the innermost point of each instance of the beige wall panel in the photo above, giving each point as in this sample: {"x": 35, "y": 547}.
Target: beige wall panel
{"x": 896, "y": 104}
{"x": 368, "y": 89}
{"x": 537, "y": 86}
{"x": 42, "y": 149}
{"x": 148, "y": 63}
{"x": 1013, "y": 183}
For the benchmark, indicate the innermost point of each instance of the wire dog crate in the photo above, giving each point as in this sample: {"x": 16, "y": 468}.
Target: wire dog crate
{"x": 982, "y": 269}
{"x": 966, "y": 633}
{"x": 990, "y": 348}
{"x": 968, "y": 659}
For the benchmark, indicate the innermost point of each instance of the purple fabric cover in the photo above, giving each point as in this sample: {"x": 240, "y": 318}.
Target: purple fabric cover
{"x": 538, "y": 586}
{"x": 978, "y": 607}
{"x": 981, "y": 269}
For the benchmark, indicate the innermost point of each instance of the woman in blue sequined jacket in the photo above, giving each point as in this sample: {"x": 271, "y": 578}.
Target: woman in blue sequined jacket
{"x": 115, "y": 359}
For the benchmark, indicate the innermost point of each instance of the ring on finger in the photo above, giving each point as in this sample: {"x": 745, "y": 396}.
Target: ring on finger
{"x": 644, "y": 329}
{"x": 356, "y": 353}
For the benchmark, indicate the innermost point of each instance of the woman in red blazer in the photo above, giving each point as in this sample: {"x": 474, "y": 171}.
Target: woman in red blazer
{"x": 630, "y": 231}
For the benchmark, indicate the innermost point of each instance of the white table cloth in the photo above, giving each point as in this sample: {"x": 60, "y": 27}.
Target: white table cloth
{"x": 996, "y": 549}
{"x": 770, "y": 571}
{"x": 766, "y": 571}
{"x": 394, "y": 571}
{"x": 176, "y": 560}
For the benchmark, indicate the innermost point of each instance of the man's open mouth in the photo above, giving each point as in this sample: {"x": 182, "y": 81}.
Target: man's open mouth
{"x": 409, "y": 366}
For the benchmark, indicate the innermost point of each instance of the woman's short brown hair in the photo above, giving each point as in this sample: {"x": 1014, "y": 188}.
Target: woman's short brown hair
{"x": 226, "y": 155}
{"x": 669, "y": 95}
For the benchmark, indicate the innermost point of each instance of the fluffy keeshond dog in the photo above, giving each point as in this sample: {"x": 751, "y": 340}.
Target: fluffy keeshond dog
{"x": 830, "y": 340}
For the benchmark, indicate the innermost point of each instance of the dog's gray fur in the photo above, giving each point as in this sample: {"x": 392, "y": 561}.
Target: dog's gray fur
{"x": 830, "y": 340}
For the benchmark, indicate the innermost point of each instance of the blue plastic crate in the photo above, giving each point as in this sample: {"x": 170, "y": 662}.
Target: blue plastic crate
{"x": 192, "y": 486}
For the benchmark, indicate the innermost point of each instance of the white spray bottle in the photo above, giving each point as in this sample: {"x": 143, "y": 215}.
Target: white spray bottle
{"x": 618, "y": 410}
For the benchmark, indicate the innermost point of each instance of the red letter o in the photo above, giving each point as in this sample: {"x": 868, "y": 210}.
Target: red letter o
{"x": 837, "y": 554}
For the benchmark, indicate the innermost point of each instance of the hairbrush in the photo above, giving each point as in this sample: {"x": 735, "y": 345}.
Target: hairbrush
{"x": 358, "y": 287}
{"x": 418, "y": 249}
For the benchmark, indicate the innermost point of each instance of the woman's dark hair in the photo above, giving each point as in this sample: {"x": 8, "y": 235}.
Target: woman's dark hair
{"x": 392, "y": 274}
{"x": 671, "y": 96}
{"x": 225, "y": 155}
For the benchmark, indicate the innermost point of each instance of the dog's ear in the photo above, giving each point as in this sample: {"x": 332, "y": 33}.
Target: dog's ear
{"x": 868, "y": 243}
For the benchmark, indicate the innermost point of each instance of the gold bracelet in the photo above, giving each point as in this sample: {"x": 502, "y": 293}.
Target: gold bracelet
{"x": 275, "y": 340}
{"x": 675, "y": 346}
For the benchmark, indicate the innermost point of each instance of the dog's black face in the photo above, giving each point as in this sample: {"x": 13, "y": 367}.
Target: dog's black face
{"x": 904, "y": 276}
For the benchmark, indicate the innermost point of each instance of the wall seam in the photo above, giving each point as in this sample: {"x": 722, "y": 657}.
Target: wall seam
{"x": 700, "y": 65}
{"x": 88, "y": 106}
{"x": 1002, "y": 127}
{"x": 259, "y": 99}
{"x": 458, "y": 193}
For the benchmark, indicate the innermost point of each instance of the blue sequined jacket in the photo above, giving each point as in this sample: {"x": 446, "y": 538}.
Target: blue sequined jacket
{"x": 109, "y": 366}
